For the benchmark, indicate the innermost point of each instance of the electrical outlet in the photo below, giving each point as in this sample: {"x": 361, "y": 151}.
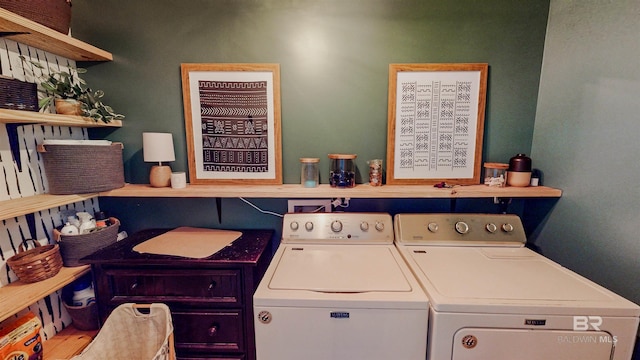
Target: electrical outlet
{"x": 309, "y": 205}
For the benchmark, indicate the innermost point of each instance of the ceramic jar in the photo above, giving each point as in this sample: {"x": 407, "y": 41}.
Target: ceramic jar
{"x": 519, "y": 173}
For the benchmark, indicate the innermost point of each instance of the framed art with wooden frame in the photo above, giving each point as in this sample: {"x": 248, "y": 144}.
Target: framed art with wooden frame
{"x": 435, "y": 123}
{"x": 232, "y": 118}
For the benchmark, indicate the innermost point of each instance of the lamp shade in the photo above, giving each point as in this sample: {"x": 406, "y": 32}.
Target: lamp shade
{"x": 158, "y": 147}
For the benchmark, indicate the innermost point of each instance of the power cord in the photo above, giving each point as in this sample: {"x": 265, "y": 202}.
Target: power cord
{"x": 339, "y": 202}
{"x": 260, "y": 210}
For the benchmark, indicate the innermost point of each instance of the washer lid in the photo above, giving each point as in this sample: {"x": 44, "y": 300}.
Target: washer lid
{"x": 339, "y": 269}
{"x": 507, "y": 280}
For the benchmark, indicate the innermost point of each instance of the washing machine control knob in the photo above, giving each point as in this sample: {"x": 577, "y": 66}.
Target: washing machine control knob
{"x": 507, "y": 227}
{"x": 336, "y": 226}
{"x": 379, "y": 226}
{"x": 294, "y": 225}
{"x": 364, "y": 226}
{"x": 491, "y": 227}
{"x": 308, "y": 225}
{"x": 433, "y": 227}
{"x": 462, "y": 227}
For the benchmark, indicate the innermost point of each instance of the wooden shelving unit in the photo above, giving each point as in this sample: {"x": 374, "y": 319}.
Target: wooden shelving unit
{"x": 18, "y": 295}
{"x": 23, "y": 30}
{"x": 27, "y": 205}
{"x": 31, "y": 117}
{"x": 325, "y": 191}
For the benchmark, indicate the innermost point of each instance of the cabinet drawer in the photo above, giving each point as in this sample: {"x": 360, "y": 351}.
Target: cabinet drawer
{"x": 221, "y": 286}
{"x": 219, "y": 331}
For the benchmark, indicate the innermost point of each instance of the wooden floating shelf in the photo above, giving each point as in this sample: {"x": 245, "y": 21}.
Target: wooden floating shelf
{"x": 31, "y": 33}
{"x": 67, "y": 343}
{"x": 31, "y": 117}
{"x": 17, "y": 296}
{"x": 30, "y": 204}
{"x": 325, "y": 191}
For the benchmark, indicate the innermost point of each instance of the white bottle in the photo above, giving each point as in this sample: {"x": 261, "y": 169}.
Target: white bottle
{"x": 87, "y": 226}
{"x": 69, "y": 229}
{"x": 73, "y": 221}
{"x": 83, "y": 294}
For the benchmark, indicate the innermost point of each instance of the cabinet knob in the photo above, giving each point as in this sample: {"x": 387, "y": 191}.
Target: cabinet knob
{"x": 212, "y": 285}
{"x": 213, "y": 331}
{"x": 134, "y": 285}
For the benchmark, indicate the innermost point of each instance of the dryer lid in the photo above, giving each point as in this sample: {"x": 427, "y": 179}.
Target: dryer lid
{"x": 340, "y": 269}
{"x": 508, "y": 279}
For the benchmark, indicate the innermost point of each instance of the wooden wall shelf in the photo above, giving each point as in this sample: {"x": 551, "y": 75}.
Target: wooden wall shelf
{"x": 67, "y": 343}
{"x": 30, "y": 204}
{"x": 31, "y": 117}
{"x": 23, "y": 30}
{"x": 325, "y": 191}
{"x": 18, "y": 296}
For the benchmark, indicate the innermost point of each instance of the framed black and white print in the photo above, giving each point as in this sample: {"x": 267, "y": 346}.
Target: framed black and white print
{"x": 232, "y": 118}
{"x": 435, "y": 123}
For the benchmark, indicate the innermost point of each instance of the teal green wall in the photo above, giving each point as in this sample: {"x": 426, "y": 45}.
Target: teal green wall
{"x": 334, "y": 57}
{"x": 586, "y": 139}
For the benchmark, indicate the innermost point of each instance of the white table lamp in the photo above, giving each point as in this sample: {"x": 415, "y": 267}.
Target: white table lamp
{"x": 158, "y": 147}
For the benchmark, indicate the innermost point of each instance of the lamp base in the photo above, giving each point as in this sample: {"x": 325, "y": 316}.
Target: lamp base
{"x": 160, "y": 176}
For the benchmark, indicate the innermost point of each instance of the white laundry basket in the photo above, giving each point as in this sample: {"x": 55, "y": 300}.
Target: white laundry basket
{"x": 131, "y": 333}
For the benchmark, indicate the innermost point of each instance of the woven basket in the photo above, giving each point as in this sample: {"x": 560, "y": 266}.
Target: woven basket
{"x": 84, "y": 317}
{"x": 18, "y": 95}
{"x": 54, "y": 14}
{"x": 37, "y": 264}
{"x": 75, "y": 247}
{"x": 77, "y": 169}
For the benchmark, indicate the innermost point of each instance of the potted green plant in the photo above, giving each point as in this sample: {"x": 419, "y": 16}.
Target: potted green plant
{"x": 71, "y": 95}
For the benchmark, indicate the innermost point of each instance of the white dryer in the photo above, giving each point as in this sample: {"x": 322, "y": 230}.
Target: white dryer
{"x": 337, "y": 289}
{"x": 492, "y": 298}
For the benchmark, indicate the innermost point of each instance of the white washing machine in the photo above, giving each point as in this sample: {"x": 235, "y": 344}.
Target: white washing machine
{"x": 492, "y": 298}
{"x": 337, "y": 289}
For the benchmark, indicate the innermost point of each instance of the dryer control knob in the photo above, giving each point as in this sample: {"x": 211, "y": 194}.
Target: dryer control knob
{"x": 308, "y": 225}
{"x": 294, "y": 225}
{"x": 379, "y": 226}
{"x": 364, "y": 226}
{"x": 336, "y": 226}
{"x": 433, "y": 227}
{"x": 491, "y": 227}
{"x": 462, "y": 227}
{"x": 507, "y": 227}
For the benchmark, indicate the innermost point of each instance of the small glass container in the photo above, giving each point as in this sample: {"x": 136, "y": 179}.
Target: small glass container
{"x": 342, "y": 170}
{"x": 375, "y": 172}
{"x": 495, "y": 174}
{"x": 309, "y": 174}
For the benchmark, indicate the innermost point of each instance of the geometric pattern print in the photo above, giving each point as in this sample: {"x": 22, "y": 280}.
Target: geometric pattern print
{"x": 433, "y": 126}
{"x": 234, "y": 126}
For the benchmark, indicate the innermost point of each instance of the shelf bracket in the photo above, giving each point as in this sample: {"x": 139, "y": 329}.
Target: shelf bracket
{"x": 31, "y": 224}
{"x": 503, "y": 203}
{"x": 219, "y": 209}
{"x": 14, "y": 143}
{"x": 12, "y": 33}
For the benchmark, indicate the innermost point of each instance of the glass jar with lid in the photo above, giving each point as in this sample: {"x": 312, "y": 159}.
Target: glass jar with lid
{"x": 342, "y": 170}
{"x": 495, "y": 174}
{"x": 309, "y": 173}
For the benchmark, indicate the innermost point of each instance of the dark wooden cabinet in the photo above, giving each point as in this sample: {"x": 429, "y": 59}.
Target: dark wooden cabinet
{"x": 211, "y": 300}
